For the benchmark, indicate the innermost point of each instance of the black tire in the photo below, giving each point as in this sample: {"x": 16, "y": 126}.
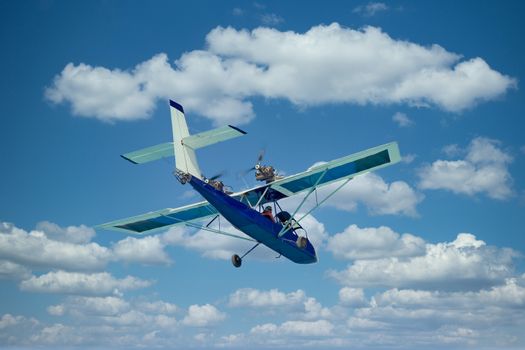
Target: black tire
{"x": 302, "y": 242}
{"x": 236, "y": 260}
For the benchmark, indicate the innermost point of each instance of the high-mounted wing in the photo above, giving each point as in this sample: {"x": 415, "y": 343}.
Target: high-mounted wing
{"x": 161, "y": 218}
{"x": 339, "y": 169}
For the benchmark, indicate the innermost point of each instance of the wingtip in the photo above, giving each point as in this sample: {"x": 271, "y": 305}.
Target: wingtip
{"x": 128, "y": 159}
{"x": 176, "y": 106}
{"x": 239, "y": 130}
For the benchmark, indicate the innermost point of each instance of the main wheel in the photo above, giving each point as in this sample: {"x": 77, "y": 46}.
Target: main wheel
{"x": 236, "y": 260}
{"x": 302, "y": 242}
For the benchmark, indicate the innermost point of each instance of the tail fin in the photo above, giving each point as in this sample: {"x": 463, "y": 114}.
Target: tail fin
{"x": 185, "y": 158}
{"x": 184, "y": 145}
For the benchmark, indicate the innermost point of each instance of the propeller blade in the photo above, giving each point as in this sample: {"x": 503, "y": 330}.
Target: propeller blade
{"x": 261, "y": 155}
{"x": 219, "y": 175}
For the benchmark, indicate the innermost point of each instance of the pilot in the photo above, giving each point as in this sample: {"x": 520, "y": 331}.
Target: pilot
{"x": 267, "y": 212}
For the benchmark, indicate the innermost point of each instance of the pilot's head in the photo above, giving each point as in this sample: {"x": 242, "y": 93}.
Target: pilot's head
{"x": 268, "y": 208}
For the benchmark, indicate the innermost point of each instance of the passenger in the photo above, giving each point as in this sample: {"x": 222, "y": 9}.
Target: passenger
{"x": 267, "y": 212}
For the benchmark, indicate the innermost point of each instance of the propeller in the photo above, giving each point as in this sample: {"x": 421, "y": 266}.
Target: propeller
{"x": 217, "y": 176}
{"x": 214, "y": 177}
{"x": 260, "y": 157}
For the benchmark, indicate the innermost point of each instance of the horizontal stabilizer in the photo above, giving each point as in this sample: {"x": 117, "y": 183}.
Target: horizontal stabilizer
{"x": 150, "y": 153}
{"x": 210, "y": 137}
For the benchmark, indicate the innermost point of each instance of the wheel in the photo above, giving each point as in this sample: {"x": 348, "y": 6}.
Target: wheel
{"x": 236, "y": 260}
{"x": 302, "y": 242}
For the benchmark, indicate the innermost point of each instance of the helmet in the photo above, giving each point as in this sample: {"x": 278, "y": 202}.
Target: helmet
{"x": 268, "y": 208}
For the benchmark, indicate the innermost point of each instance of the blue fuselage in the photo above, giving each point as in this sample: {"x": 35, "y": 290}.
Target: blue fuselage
{"x": 255, "y": 225}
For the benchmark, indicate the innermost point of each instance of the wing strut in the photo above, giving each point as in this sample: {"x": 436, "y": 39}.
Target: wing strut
{"x": 318, "y": 204}
{"x": 205, "y": 228}
{"x": 287, "y": 227}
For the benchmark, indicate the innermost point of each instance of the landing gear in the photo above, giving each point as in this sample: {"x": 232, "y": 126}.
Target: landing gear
{"x": 236, "y": 260}
{"x": 301, "y": 242}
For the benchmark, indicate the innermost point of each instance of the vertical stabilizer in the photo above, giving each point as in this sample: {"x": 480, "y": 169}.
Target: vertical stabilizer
{"x": 185, "y": 158}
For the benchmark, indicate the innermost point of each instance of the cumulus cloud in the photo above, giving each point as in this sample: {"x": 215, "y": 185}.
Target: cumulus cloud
{"x": 370, "y": 9}
{"x": 203, "y": 316}
{"x": 91, "y": 306}
{"x": 294, "y": 302}
{"x": 486, "y": 317}
{"x": 465, "y": 263}
{"x": 370, "y": 68}
{"x": 379, "y": 197}
{"x": 483, "y": 170}
{"x": 402, "y": 120}
{"x": 373, "y": 243}
{"x": 352, "y": 296}
{"x": 271, "y": 19}
{"x": 10, "y": 270}
{"x": 35, "y": 249}
{"x": 63, "y": 282}
{"x": 72, "y": 234}
{"x": 249, "y": 297}
{"x": 147, "y": 250}
{"x": 320, "y": 328}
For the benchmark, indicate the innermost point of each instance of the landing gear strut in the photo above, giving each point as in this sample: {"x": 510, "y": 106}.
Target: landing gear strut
{"x": 237, "y": 260}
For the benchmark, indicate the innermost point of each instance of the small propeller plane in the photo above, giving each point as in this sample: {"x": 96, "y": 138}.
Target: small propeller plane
{"x": 244, "y": 210}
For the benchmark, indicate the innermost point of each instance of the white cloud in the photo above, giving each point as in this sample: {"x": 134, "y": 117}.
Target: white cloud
{"x": 320, "y": 328}
{"x": 370, "y": 9}
{"x": 9, "y": 320}
{"x": 373, "y": 243}
{"x": 147, "y": 250}
{"x": 485, "y": 318}
{"x": 352, "y": 297}
{"x": 274, "y": 300}
{"x": 72, "y": 234}
{"x": 402, "y": 120}
{"x": 9, "y": 270}
{"x": 159, "y": 307}
{"x": 203, "y": 316}
{"x": 465, "y": 263}
{"x": 249, "y": 297}
{"x": 408, "y": 158}
{"x": 63, "y": 282}
{"x": 36, "y": 249}
{"x": 452, "y": 150}
{"x": 271, "y": 19}
{"x": 370, "y": 68}
{"x": 50, "y": 246}
{"x": 484, "y": 170}
{"x": 91, "y": 306}
{"x": 380, "y": 197}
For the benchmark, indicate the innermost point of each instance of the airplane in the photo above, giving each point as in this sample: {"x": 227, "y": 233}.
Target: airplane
{"x": 244, "y": 209}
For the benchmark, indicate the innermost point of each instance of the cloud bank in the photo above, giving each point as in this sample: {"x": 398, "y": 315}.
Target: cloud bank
{"x": 326, "y": 64}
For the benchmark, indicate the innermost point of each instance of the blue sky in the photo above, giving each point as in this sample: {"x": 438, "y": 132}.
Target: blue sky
{"x": 426, "y": 253}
